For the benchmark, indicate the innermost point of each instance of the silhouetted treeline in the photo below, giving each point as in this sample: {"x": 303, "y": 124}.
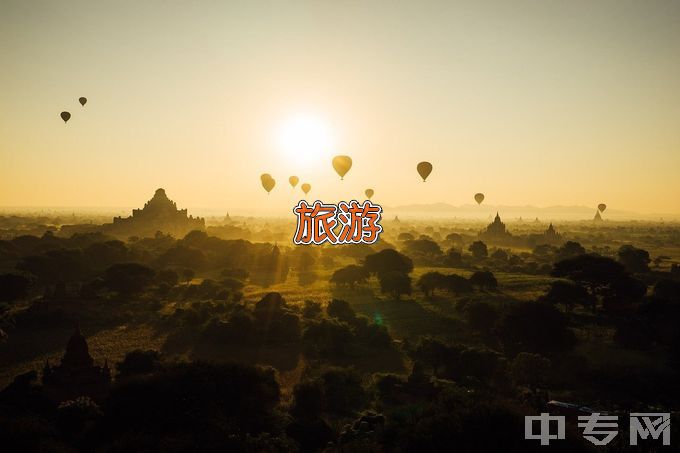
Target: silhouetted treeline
{"x": 433, "y": 341}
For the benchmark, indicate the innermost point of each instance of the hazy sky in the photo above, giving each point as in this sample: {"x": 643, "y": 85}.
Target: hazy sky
{"x": 531, "y": 102}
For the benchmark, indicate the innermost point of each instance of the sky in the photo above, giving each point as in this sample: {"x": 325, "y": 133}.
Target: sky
{"x": 531, "y": 102}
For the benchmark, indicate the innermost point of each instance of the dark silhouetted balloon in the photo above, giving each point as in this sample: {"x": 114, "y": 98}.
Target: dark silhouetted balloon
{"x": 306, "y": 188}
{"x": 342, "y": 164}
{"x": 601, "y": 207}
{"x": 293, "y": 180}
{"x": 424, "y": 170}
{"x": 82, "y": 101}
{"x": 268, "y": 182}
{"x": 479, "y": 197}
{"x": 369, "y": 193}
{"x": 65, "y": 116}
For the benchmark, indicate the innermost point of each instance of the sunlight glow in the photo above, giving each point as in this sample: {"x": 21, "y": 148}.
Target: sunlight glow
{"x": 305, "y": 139}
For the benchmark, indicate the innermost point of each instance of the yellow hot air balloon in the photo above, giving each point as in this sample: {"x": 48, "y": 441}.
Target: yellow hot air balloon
{"x": 293, "y": 180}
{"x": 65, "y": 116}
{"x": 479, "y": 197}
{"x": 342, "y": 164}
{"x": 369, "y": 193}
{"x": 268, "y": 182}
{"x": 82, "y": 101}
{"x": 424, "y": 170}
{"x": 306, "y": 188}
{"x": 601, "y": 207}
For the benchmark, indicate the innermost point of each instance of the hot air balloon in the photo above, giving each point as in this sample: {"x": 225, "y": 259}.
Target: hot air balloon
{"x": 82, "y": 101}
{"x": 601, "y": 207}
{"x": 342, "y": 164}
{"x": 369, "y": 193}
{"x": 424, "y": 170}
{"x": 268, "y": 182}
{"x": 479, "y": 197}
{"x": 293, "y": 180}
{"x": 65, "y": 116}
{"x": 306, "y": 188}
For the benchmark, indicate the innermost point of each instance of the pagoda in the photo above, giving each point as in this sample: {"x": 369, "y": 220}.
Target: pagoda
{"x": 158, "y": 214}
{"x": 76, "y": 375}
{"x": 551, "y": 236}
{"x": 495, "y": 231}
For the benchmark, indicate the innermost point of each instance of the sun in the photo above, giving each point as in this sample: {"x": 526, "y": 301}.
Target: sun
{"x": 305, "y": 139}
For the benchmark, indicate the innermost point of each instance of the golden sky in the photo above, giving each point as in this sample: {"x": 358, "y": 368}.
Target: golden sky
{"x": 531, "y": 102}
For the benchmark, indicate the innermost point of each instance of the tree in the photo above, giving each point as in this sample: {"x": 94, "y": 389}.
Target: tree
{"x": 457, "y": 284}
{"x": 75, "y": 417}
{"x": 478, "y": 250}
{"x": 272, "y": 267}
{"x": 634, "y": 259}
{"x": 129, "y": 278}
{"x": 388, "y": 260}
{"x": 530, "y": 369}
{"x": 168, "y": 276}
{"x": 343, "y": 390}
{"x": 328, "y": 338}
{"x": 276, "y": 321}
{"x": 188, "y": 275}
{"x": 430, "y": 281}
{"x": 633, "y": 334}
{"x": 454, "y": 237}
{"x": 405, "y": 237}
{"x": 543, "y": 250}
{"x": 481, "y": 316}
{"x": 423, "y": 246}
{"x": 139, "y": 362}
{"x": 308, "y": 399}
{"x": 453, "y": 258}
{"x": 535, "y": 327}
{"x": 103, "y": 254}
{"x": 239, "y": 274}
{"x": 500, "y": 255}
{"x": 433, "y": 353}
{"x": 311, "y": 433}
{"x": 183, "y": 256}
{"x": 307, "y": 278}
{"x": 185, "y": 398}
{"x": 350, "y": 276}
{"x": 340, "y": 309}
{"x": 568, "y": 293}
{"x": 195, "y": 238}
{"x": 271, "y": 303}
{"x": 658, "y": 261}
{"x": 57, "y": 266}
{"x": 484, "y": 280}
{"x": 479, "y": 363}
{"x": 667, "y": 289}
{"x": 311, "y": 309}
{"x": 604, "y": 278}
{"x": 232, "y": 284}
{"x": 13, "y": 287}
{"x": 395, "y": 283}
{"x": 594, "y": 271}
{"x": 305, "y": 262}
{"x": 570, "y": 249}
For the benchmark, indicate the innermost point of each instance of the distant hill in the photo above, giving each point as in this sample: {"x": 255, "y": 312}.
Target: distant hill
{"x": 442, "y": 210}
{"x": 514, "y": 212}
